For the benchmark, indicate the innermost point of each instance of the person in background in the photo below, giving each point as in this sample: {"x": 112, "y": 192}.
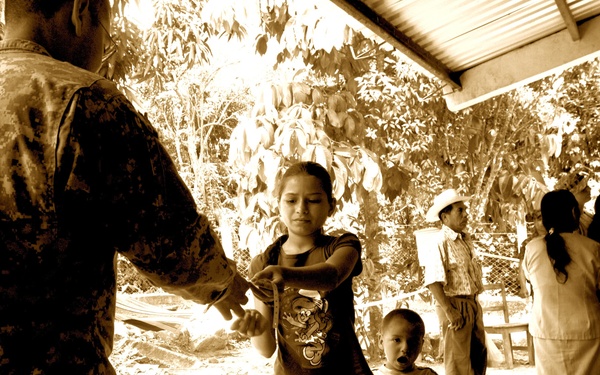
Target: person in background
{"x": 594, "y": 228}
{"x": 577, "y": 183}
{"x": 454, "y": 277}
{"x": 84, "y": 177}
{"x": 564, "y": 270}
{"x": 402, "y": 333}
{"x": 302, "y": 283}
{"x": 538, "y": 230}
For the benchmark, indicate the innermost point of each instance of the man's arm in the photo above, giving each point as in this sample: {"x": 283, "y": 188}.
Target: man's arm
{"x": 435, "y": 278}
{"x": 453, "y": 315}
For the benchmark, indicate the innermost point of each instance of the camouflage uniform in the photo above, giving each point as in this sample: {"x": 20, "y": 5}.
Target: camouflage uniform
{"x": 83, "y": 176}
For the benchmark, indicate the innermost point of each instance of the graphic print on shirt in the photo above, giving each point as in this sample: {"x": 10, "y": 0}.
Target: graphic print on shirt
{"x": 306, "y": 321}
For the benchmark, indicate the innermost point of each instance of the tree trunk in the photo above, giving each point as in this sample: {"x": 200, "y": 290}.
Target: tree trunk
{"x": 371, "y": 212}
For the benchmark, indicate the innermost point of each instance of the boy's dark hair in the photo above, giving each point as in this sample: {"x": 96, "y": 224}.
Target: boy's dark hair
{"x": 560, "y": 214}
{"x": 410, "y": 316}
{"x": 312, "y": 169}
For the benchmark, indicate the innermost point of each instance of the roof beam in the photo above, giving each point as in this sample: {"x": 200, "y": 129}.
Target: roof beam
{"x": 399, "y": 40}
{"x": 527, "y": 64}
{"x": 567, "y": 16}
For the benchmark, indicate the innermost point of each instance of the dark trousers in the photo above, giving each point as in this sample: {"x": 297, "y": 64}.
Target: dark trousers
{"x": 465, "y": 352}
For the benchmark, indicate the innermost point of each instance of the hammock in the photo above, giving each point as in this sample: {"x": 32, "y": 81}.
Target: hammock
{"x": 148, "y": 316}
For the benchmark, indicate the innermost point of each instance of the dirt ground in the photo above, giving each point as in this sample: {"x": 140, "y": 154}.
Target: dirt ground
{"x": 205, "y": 345}
{"x": 245, "y": 361}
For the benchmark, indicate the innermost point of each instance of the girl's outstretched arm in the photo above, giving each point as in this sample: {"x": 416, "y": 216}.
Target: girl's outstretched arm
{"x": 323, "y": 276}
{"x": 265, "y": 342}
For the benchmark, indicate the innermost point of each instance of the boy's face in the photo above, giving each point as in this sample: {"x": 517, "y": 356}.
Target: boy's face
{"x": 402, "y": 343}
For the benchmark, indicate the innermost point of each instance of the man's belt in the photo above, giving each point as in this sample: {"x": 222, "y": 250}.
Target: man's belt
{"x": 465, "y": 296}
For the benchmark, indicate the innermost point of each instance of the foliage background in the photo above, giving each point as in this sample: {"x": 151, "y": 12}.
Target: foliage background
{"x": 239, "y": 90}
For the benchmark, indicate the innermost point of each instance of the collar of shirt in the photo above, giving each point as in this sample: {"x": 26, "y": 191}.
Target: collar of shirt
{"x": 452, "y": 235}
{"x": 22, "y": 45}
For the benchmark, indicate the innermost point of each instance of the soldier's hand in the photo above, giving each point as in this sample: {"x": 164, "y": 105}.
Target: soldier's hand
{"x": 234, "y": 298}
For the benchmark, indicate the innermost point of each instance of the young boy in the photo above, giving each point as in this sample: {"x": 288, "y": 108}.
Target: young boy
{"x": 402, "y": 333}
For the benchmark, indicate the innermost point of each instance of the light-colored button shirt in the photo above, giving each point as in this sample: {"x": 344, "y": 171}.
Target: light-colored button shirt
{"x": 569, "y": 311}
{"x": 455, "y": 264}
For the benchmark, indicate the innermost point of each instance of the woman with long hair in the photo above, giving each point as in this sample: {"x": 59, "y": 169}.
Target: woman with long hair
{"x": 564, "y": 270}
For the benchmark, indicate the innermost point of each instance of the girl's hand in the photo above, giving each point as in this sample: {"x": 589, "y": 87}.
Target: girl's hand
{"x": 253, "y": 323}
{"x": 263, "y": 291}
{"x": 264, "y": 282}
{"x": 271, "y": 274}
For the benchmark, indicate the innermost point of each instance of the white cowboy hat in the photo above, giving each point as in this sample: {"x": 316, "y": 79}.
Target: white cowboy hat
{"x": 444, "y": 199}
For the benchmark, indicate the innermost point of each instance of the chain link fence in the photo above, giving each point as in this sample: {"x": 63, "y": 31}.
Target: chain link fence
{"x": 499, "y": 254}
{"x": 242, "y": 258}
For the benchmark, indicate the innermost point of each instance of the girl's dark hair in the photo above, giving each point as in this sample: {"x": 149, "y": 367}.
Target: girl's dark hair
{"x": 410, "y": 316}
{"x": 308, "y": 168}
{"x": 560, "y": 214}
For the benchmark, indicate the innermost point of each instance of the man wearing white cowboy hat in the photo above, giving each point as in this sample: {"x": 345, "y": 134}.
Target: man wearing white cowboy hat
{"x": 453, "y": 275}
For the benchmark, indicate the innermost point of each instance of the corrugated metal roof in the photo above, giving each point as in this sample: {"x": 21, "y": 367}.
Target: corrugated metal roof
{"x": 451, "y": 37}
{"x": 464, "y": 33}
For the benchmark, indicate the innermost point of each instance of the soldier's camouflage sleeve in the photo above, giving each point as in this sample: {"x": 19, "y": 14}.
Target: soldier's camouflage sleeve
{"x": 83, "y": 176}
{"x": 150, "y": 214}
